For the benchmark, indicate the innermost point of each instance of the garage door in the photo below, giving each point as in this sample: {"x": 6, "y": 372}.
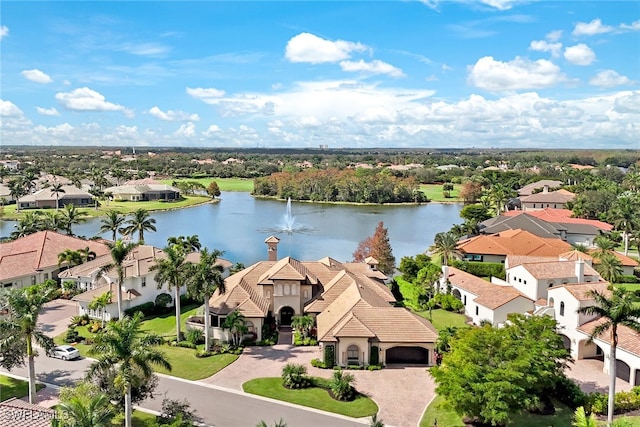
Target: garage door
{"x": 410, "y": 355}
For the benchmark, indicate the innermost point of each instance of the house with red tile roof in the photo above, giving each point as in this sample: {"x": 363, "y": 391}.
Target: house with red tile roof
{"x": 496, "y": 247}
{"x": 18, "y": 413}
{"x": 352, "y": 306}
{"x": 34, "y": 258}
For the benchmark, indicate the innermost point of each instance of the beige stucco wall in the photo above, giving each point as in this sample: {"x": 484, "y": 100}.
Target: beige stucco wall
{"x": 343, "y": 344}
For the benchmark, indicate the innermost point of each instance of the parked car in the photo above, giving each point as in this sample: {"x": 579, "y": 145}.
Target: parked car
{"x": 64, "y": 352}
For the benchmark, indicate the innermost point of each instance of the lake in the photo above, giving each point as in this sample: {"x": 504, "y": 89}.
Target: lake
{"x": 238, "y": 225}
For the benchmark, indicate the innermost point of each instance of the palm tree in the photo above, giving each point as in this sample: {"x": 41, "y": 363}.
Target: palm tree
{"x": 16, "y": 190}
{"x": 615, "y": 308}
{"x": 204, "y": 279}
{"x": 70, "y": 258}
{"x": 113, "y": 221}
{"x": 20, "y": 328}
{"x": 609, "y": 267}
{"x": 500, "y": 195}
{"x": 87, "y": 254}
{"x": 580, "y": 419}
{"x": 280, "y": 423}
{"x": 95, "y": 411}
{"x": 580, "y": 247}
{"x": 189, "y": 243}
{"x": 29, "y": 223}
{"x": 626, "y": 219}
{"x": 140, "y": 221}
{"x": 119, "y": 253}
{"x": 51, "y": 221}
{"x": 446, "y": 245}
{"x": 236, "y": 325}
{"x": 604, "y": 245}
{"x": 127, "y": 347}
{"x": 57, "y": 190}
{"x": 100, "y": 302}
{"x": 303, "y": 324}
{"x": 70, "y": 215}
{"x": 172, "y": 270}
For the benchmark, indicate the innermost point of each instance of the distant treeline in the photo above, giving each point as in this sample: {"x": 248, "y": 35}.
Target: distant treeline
{"x": 334, "y": 185}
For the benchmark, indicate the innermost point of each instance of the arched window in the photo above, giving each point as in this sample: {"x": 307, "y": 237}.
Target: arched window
{"x": 561, "y": 308}
{"x": 353, "y": 355}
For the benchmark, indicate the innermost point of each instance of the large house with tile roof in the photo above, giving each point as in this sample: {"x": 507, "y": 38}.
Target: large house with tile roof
{"x": 139, "y": 285}
{"x": 352, "y": 305}
{"x": 143, "y": 190}
{"x": 18, "y": 413}
{"x": 496, "y": 247}
{"x": 46, "y": 198}
{"x": 529, "y": 189}
{"x": 547, "y": 199}
{"x": 34, "y": 258}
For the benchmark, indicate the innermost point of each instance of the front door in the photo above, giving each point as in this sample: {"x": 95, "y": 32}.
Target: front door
{"x": 286, "y": 314}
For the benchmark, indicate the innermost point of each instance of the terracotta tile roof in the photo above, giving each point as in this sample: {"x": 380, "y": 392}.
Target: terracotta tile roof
{"x": 287, "y": 269}
{"x": 582, "y": 291}
{"x": 243, "y": 298}
{"x": 528, "y": 189}
{"x": 558, "y": 270}
{"x": 558, "y": 196}
{"x": 40, "y": 250}
{"x": 487, "y": 294}
{"x": 541, "y": 302}
{"x": 351, "y": 326}
{"x": 516, "y": 260}
{"x": 18, "y": 413}
{"x": 624, "y": 260}
{"x": 561, "y": 216}
{"x": 576, "y": 255}
{"x": 628, "y": 339}
{"x": 514, "y": 242}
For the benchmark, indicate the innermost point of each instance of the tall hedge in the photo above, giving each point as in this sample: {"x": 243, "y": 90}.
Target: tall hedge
{"x": 481, "y": 269}
{"x": 374, "y": 356}
{"x": 329, "y": 356}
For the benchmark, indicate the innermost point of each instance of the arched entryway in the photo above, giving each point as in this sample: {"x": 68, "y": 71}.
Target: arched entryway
{"x": 566, "y": 341}
{"x": 456, "y": 293}
{"x": 286, "y": 314}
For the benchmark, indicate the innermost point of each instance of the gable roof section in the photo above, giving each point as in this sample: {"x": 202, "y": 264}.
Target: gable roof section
{"x": 513, "y": 242}
{"x": 529, "y": 188}
{"x": 624, "y": 260}
{"x": 628, "y": 339}
{"x": 558, "y": 196}
{"x": 561, "y": 216}
{"x": 487, "y": 294}
{"x": 524, "y": 222}
{"x": 582, "y": 291}
{"x": 576, "y": 255}
{"x": 243, "y": 298}
{"x": 558, "y": 270}
{"x": 287, "y": 269}
{"x": 40, "y": 250}
{"x": 25, "y": 414}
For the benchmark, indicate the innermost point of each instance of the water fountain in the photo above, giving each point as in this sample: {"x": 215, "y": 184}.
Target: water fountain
{"x": 289, "y": 219}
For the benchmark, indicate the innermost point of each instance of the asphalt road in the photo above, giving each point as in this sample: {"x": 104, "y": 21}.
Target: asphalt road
{"x": 216, "y": 407}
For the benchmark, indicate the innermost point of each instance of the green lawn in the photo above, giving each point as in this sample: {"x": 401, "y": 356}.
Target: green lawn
{"x": 184, "y": 362}
{"x": 313, "y": 397}
{"x": 447, "y": 417}
{"x": 9, "y": 211}
{"x": 11, "y": 387}
{"x": 629, "y": 286}
{"x": 143, "y": 419}
{"x": 442, "y": 318}
{"x": 434, "y": 192}
{"x": 225, "y": 184}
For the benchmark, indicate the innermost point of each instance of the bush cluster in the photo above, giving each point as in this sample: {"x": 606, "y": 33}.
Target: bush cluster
{"x": 625, "y": 401}
{"x": 299, "y": 340}
{"x": 481, "y": 269}
{"x": 447, "y": 302}
{"x": 329, "y": 356}
{"x": 72, "y": 336}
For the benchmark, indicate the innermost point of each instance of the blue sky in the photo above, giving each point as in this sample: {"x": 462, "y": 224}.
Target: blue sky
{"x": 491, "y": 73}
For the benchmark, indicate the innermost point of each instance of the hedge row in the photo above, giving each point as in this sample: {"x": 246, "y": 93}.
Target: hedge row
{"x": 481, "y": 269}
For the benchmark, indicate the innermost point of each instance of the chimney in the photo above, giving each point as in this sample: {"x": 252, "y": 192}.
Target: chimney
{"x": 580, "y": 270}
{"x": 545, "y": 189}
{"x": 445, "y": 277}
{"x": 272, "y": 248}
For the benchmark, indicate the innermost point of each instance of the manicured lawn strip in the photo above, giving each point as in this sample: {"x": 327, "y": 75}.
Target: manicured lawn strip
{"x": 9, "y": 211}
{"x": 225, "y": 184}
{"x": 143, "y": 419}
{"x": 445, "y": 416}
{"x": 435, "y": 194}
{"x": 442, "y": 318}
{"x": 629, "y": 286}
{"x": 314, "y": 397}
{"x": 165, "y": 324}
{"x": 11, "y": 387}
{"x": 186, "y": 365}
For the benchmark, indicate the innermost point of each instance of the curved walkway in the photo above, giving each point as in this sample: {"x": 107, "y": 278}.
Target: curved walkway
{"x": 401, "y": 392}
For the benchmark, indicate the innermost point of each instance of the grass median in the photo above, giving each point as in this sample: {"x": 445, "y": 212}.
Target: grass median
{"x": 312, "y": 397}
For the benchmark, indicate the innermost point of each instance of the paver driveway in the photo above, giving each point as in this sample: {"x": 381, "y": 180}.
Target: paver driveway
{"x": 401, "y": 392}
{"x": 55, "y": 315}
{"x": 589, "y": 376}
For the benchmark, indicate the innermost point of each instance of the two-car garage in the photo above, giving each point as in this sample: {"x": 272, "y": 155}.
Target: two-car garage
{"x": 407, "y": 355}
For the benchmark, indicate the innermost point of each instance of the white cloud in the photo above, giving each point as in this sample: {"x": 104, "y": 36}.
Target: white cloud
{"x": 309, "y": 48}
{"x": 212, "y": 130}
{"x": 609, "y": 78}
{"x": 580, "y": 54}
{"x": 308, "y": 122}
{"x": 591, "y": 28}
{"x": 373, "y": 67}
{"x": 144, "y": 49}
{"x": 554, "y": 36}
{"x": 9, "y": 109}
{"x": 187, "y": 130}
{"x": 445, "y": 67}
{"x": 85, "y": 99}
{"x": 205, "y": 93}
{"x": 36, "y": 76}
{"x": 59, "y": 130}
{"x": 520, "y": 73}
{"x": 545, "y": 46}
{"x": 173, "y": 116}
{"x": 47, "y": 111}
{"x": 4, "y": 31}
{"x": 496, "y": 4}
{"x": 634, "y": 26}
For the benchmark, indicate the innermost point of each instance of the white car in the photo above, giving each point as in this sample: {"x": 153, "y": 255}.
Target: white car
{"x": 64, "y": 352}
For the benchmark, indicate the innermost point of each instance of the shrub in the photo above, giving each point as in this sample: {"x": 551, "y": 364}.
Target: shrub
{"x": 203, "y": 353}
{"x": 447, "y": 302}
{"x": 481, "y": 269}
{"x": 341, "y": 385}
{"x": 72, "y": 336}
{"x": 566, "y": 391}
{"x": 94, "y": 327}
{"x": 629, "y": 278}
{"x": 173, "y": 409}
{"x": 374, "y": 355}
{"x": 294, "y": 376}
{"x": 185, "y": 344}
{"x": 317, "y": 363}
{"x": 329, "y": 356}
{"x": 194, "y": 335}
{"x": 147, "y": 309}
{"x": 374, "y": 367}
{"x": 79, "y": 321}
{"x": 163, "y": 302}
